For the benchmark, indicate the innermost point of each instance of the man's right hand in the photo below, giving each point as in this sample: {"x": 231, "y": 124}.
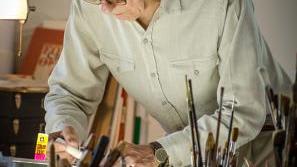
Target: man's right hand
{"x": 71, "y": 138}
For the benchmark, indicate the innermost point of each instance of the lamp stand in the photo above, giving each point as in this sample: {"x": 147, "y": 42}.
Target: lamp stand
{"x": 19, "y": 44}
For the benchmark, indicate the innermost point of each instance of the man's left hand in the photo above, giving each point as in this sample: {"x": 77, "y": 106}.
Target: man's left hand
{"x": 137, "y": 156}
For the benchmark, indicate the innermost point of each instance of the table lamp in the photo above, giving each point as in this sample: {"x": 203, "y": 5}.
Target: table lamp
{"x": 16, "y": 10}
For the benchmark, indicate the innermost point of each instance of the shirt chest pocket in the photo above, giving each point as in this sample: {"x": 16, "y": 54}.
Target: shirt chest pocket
{"x": 195, "y": 67}
{"x": 117, "y": 64}
{"x": 204, "y": 76}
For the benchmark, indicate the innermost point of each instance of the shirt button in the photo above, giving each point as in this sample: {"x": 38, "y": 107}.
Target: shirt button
{"x": 196, "y": 72}
{"x": 145, "y": 40}
{"x": 153, "y": 74}
{"x": 164, "y": 103}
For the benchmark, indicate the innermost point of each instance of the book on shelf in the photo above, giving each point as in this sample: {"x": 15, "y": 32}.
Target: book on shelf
{"x": 99, "y": 122}
{"x": 129, "y": 124}
{"x": 128, "y": 119}
{"x": 43, "y": 53}
{"x": 116, "y": 119}
{"x": 140, "y": 125}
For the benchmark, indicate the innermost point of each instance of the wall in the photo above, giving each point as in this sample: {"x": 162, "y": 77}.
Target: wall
{"x": 7, "y": 45}
{"x": 46, "y": 10}
{"x": 278, "y": 22}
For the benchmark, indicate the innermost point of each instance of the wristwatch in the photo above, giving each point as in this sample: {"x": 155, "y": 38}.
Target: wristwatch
{"x": 160, "y": 154}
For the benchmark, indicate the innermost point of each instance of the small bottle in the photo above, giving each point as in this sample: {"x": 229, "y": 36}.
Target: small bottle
{"x": 41, "y": 144}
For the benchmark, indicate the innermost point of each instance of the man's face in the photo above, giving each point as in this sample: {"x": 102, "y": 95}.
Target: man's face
{"x": 124, "y": 10}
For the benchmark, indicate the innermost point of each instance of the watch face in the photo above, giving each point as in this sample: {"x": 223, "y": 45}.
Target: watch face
{"x": 161, "y": 155}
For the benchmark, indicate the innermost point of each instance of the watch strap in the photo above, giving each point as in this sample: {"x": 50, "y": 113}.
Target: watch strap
{"x": 155, "y": 146}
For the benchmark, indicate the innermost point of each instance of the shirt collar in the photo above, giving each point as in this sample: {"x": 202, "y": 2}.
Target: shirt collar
{"x": 170, "y": 6}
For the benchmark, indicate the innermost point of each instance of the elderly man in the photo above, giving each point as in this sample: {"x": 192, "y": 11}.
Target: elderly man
{"x": 149, "y": 46}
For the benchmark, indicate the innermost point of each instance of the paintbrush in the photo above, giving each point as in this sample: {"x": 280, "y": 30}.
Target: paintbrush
{"x": 115, "y": 154}
{"x": 233, "y": 160}
{"x": 232, "y": 149}
{"x": 278, "y": 145}
{"x": 87, "y": 148}
{"x": 52, "y": 159}
{"x": 98, "y": 153}
{"x": 219, "y": 122}
{"x": 225, "y": 156}
{"x": 285, "y": 108}
{"x": 295, "y": 85}
{"x": 219, "y": 155}
{"x": 269, "y": 95}
{"x": 188, "y": 98}
{"x": 248, "y": 163}
{"x": 89, "y": 144}
{"x": 195, "y": 123}
{"x": 210, "y": 151}
{"x": 235, "y": 133}
{"x": 224, "y": 153}
{"x": 196, "y": 153}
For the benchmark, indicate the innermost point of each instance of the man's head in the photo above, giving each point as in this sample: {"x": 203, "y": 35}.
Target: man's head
{"x": 121, "y": 9}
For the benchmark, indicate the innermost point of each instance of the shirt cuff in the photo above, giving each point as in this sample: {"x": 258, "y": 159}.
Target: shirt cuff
{"x": 68, "y": 121}
{"x": 178, "y": 147}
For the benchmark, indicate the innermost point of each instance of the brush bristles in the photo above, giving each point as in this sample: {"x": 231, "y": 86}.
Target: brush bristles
{"x": 210, "y": 143}
{"x": 235, "y": 133}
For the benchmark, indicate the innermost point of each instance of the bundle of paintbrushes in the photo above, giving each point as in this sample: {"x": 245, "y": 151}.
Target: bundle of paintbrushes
{"x": 87, "y": 156}
{"x": 196, "y": 149}
{"x": 289, "y": 150}
{"x": 226, "y": 157}
{"x": 214, "y": 155}
{"x": 283, "y": 115}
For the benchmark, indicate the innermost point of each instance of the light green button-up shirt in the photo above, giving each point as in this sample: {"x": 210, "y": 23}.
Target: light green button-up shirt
{"x": 216, "y": 43}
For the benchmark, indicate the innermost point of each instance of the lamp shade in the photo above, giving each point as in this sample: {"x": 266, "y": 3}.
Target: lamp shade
{"x": 13, "y": 9}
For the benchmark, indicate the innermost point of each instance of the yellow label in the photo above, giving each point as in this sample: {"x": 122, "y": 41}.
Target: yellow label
{"x": 41, "y": 146}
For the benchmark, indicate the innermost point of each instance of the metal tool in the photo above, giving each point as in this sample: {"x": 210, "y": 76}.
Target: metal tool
{"x": 76, "y": 153}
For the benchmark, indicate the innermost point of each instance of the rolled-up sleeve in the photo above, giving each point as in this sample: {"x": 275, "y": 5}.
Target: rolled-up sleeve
{"x": 240, "y": 50}
{"x": 78, "y": 80}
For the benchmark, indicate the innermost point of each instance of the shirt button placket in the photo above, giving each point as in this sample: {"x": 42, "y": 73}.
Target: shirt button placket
{"x": 196, "y": 72}
{"x": 153, "y": 75}
{"x": 145, "y": 41}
